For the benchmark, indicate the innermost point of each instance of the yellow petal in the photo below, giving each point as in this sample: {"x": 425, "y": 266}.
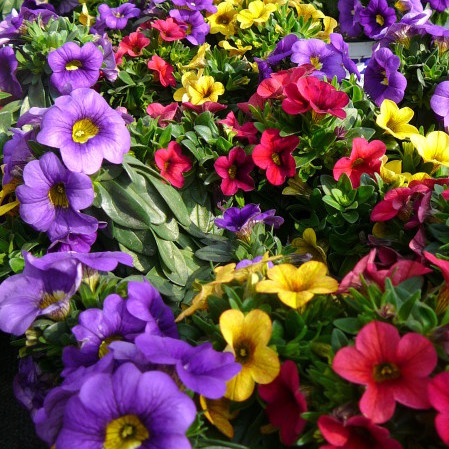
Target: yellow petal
{"x": 257, "y": 327}
{"x": 231, "y": 325}
{"x": 265, "y": 365}
{"x": 240, "y": 387}
{"x": 283, "y": 274}
{"x": 295, "y": 300}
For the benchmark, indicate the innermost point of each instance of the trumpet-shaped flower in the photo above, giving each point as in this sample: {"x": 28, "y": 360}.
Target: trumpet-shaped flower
{"x": 193, "y": 23}
{"x": 163, "y": 113}
{"x": 247, "y": 338}
{"x": 307, "y": 244}
{"x": 395, "y": 121}
{"x": 294, "y": 286}
{"x": 204, "y": 89}
{"x": 376, "y": 16}
{"x": 257, "y": 13}
{"x": 133, "y": 44}
{"x": 117, "y": 18}
{"x": 223, "y": 21}
{"x": 170, "y": 29}
{"x": 163, "y": 71}
{"x": 172, "y": 163}
{"x": 433, "y": 148}
{"x": 392, "y": 368}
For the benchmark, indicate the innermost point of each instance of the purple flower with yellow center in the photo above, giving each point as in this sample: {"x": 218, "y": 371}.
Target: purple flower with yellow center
{"x": 349, "y": 17}
{"x": 440, "y": 102}
{"x": 8, "y": 67}
{"x": 197, "y": 5}
{"x": 86, "y": 130}
{"x": 382, "y": 79}
{"x": 376, "y": 16}
{"x": 127, "y": 410}
{"x": 342, "y": 47}
{"x": 196, "y": 28}
{"x": 327, "y": 61}
{"x": 16, "y": 154}
{"x": 74, "y": 66}
{"x": 117, "y": 18}
{"x": 52, "y": 196}
{"x": 35, "y": 292}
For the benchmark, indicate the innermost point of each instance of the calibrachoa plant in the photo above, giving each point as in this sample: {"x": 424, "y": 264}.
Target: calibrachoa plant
{"x": 217, "y": 230}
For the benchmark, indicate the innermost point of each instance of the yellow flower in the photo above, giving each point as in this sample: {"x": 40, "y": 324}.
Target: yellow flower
{"x": 247, "y": 338}
{"x": 257, "y": 13}
{"x": 223, "y": 21}
{"x": 85, "y": 18}
{"x": 308, "y": 244}
{"x": 188, "y": 78}
{"x": 433, "y": 148}
{"x": 307, "y": 11}
{"x": 297, "y": 286}
{"x": 275, "y": 2}
{"x": 239, "y": 50}
{"x": 242, "y": 274}
{"x": 204, "y": 89}
{"x": 218, "y": 413}
{"x": 391, "y": 173}
{"x": 199, "y": 61}
{"x": 395, "y": 121}
{"x": 329, "y": 24}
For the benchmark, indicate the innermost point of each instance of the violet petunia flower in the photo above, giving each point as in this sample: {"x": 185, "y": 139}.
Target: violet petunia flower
{"x": 16, "y": 154}
{"x": 382, "y": 79}
{"x": 409, "y": 6}
{"x": 109, "y": 66}
{"x": 86, "y": 130}
{"x": 264, "y": 69}
{"x": 282, "y": 50}
{"x": 10, "y": 27}
{"x": 32, "y": 117}
{"x": 440, "y": 102}
{"x": 52, "y": 196}
{"x": 342, "y": 47}
{"x": 439, "y": 5}
{"x": 117, "y": 18}
{"x": 32, "y": 10}
{"x": 74, "y": 66}
{"x": 196, "y": 5}
{"x": 248, "y": 262}
{"x": 67, "y": 6}
{"x": 195, "y": 27}
{"x": 8, "y": 67}
{"x": 127, "y": 409}
{"x": 376, "y": 17}
{"x": 80, "y": 243}
{"x": 327, "y": 61}
{"x": 349, "y": 17}
{"x": 200, "y": 368}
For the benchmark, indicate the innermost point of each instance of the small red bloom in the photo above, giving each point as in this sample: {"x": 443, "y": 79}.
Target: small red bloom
{"x": 442, "y": 264}
{"x": 274, "y": 154}
{"x": 392, "y": 368}
{"x": 162, "y": 113}
{"x": 163, "y": 70}
{"x": 365, "y": 158}
{"x": 357, "y": 432}
{"x": 172, "y": 164}
{"x": 285, "y": 403}
{"x": 235, "y": 170}
{"x": 134, "y": 44}
{"x": 247, "y": 131}
{"x": 210, "y": 106}
{"x": 439, "y": 398}
{"x": 170, "y": 29}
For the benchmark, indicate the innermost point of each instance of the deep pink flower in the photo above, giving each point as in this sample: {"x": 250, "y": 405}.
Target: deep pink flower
{"x": 285, "y": 403}
{"x": 134, "y": 44}
{"x": 439, "y": 398}
{"x": 255, "y": 101}
{"x": 357, "y": 432}
{"x": 235, "y": 170}
{"x": 442, "y": 264}
{"x": 172, "y": 164}
{"x": 392, "y": 368}
{"x": 170, "y": 29}
{"x": 163, "y": 71}
{"x": 274, "y": 154}
{"x": 246, "y": 131}
{"x": 163, "y": 113}
{"x": 365, "y": 158}
{"x": 210, "y": 106}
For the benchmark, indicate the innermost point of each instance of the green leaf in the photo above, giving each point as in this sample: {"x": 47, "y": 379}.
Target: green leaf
{"x": 168, "y": 230}
{"x": 173, "y": 259}
{"x": 138, "y": 241}
{"x": 348, "y": 325}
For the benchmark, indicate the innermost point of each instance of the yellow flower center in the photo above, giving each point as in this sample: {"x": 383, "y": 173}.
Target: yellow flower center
{"x": 58, "y": 196}
{"x": 315, "y": 60}
{"x": 232, "y": 172}
{"x": 222, "y": 20}
{"x": 385, "y": 80}
{"x": 242, "y": 353}
{"x": 118, "y": 15}
{"x": 49, "y": 299}
{"x": 126, "y": 432}
{"x": 386, "y": 371}
{"x": 380, "y": 20}
{"x": 83, "y": 130}
{"x": 104, "y": 347}
{"x": 400, "y": 6}
{"x": 276, "y": 159}
{"x": 73, "y": 65}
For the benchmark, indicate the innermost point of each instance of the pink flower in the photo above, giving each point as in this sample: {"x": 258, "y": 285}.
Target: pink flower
{"x": 163, "y": 71}
{"x": 439, "y": 398}
{"x": 365, "y": 158}
{"x": 235, "y": 170}
{"x": 134, "y": 44}
{"x": 392, "y": 368}
{"x": 442, "y": 264}
{"x": 163, "y": 113}
{"x": 170, "y": 29}
{"x": 256, "y": 101}
{"x": 172, "y": 164}
{"x": 274, "y": 154}
{"x": 357, "y": 432}
{"x": 247, "y": 131}
{"x": 210, "y": 106}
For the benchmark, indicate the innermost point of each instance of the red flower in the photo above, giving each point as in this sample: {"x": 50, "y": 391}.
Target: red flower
{"x": 285, "y": 403}
{"x": 134, "y": 44}
{"x": 210, "y": 106}
{"x": 357, "y": 432}
{"x": 439, "y": 398}
{"x": 274, "y": 154}
{"x": 163, "y": 70}
{"x": 162, "y": 113}
{"x": 392, "y": 368}
{"x": 235, "y": 170}
{"x": 255, "y": 101}
{"x": 247, "y": 131}
{"x": 170, "y": 29}
{"x": 172, "y": 164}
{"x": 295, "y": 103}
{"x": 442, "y": 264}
{"x": 365, "y": 158}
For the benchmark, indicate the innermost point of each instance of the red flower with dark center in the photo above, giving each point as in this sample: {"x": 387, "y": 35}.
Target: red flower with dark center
{"x": 357, "y": 432}
{"x": 170, "y": 29}
{"x": 274, "y": 154}
{"x": 247, "y": 131}
{"x": 285, "y": 403}
{"x": 365, "y": 158}
{"x": 134, "y": 44}
{"x": 172, "y": 164}
{"x": 162, "y": 113}
{"x": 235, "y": 170}
{"x": 163, "y": 70}
{"x": 392, "y": 368}
{"x": 439, "y": 398}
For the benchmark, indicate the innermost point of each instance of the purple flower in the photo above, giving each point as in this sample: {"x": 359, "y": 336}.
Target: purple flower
{"x": 248, "y": 262}
{"x": 439, "y": 5}
{"x": 406, "y": 6}
{"x": 109, "y": 67}
{"x": 197, "y": 5}
{"x": 67, "y": 5}
{"x": 349, "y": 17}
{"x": 342, "y": 47}
{"x": 16, "y": 154}
{"x": 440, "y": 102}
{"x": 52, "y": 196}
{"x": 86, "y": 130}
{"x": 32, "y": 117}
{"x": 35, "y": 292}
{"x": 196, "y": 28}
{"x": 382, "y": 78}
{"x": 74, "y": 66}
{"x": 9, "y": 27}
{"x": 283, "y": 49}
{"x": 400, "y": 32}
{"x": 8, "y": 67}
{"x": 201, "y": 368}
{"x": 117, "y": 18}
{"x": 127, "y": 409}
{"x": 264, "y": 69}
{"x": 31, "y": 10}
{"x": 324, "y": 57}
{"x": 80, "y": 243}
{"x": 376, "y": 16}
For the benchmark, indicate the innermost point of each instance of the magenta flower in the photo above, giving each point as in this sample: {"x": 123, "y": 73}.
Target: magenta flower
{"x": 172, "y": 163}
{"x": 163, "y": 113}
{"x": 246, "y": 131}
{"x": 439, "y": 398}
